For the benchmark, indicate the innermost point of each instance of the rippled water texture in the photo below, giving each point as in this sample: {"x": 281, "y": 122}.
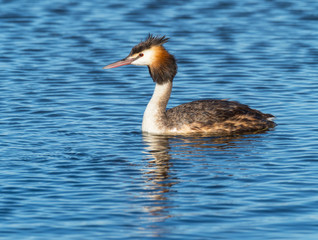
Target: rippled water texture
{"x": 73, "y": 162}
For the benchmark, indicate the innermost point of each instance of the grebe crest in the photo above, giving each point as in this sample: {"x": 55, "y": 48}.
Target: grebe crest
{"x": 161, "y": 64}
{"x": 213, "y": 117}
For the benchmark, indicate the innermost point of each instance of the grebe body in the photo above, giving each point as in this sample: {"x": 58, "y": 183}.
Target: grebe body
{"x": 207, "y": 117}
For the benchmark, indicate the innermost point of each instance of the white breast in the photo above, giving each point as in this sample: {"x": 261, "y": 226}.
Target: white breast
{"x": 153, "y": 116}
{"x": 150, "y": 122}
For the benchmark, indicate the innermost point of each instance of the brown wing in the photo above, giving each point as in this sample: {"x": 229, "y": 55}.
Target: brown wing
{"x": 218, "y": 116}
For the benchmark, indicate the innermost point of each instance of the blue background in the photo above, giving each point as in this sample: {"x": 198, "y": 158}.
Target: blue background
{"x": 73, "y": 161}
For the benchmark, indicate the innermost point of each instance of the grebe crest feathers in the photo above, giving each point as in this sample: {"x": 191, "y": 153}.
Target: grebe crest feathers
{"x": 150, "y": 41}
{"x": 161, "y": 64}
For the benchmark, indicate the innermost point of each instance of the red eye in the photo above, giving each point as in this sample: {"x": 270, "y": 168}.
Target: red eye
{"x": 141, "y": 54}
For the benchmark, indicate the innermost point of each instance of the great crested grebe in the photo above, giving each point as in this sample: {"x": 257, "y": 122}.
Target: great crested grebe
{"x": 215, "y": 117}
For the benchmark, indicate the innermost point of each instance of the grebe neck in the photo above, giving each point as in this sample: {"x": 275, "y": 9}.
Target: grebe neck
{"x": 155, "y": 119}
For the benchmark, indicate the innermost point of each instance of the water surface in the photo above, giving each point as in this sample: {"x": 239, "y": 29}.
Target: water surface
{"x": 74, "y": 164}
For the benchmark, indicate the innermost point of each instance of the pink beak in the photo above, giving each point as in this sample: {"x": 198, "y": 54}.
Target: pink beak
{"x": 125, "y": 61}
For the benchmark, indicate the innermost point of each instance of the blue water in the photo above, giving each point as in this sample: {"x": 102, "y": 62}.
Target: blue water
{"x": 74, "y": 163}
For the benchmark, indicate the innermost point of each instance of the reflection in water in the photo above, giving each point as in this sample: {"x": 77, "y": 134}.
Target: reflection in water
{"x": 161, "y": 176}
{"x": 159, "y": 179}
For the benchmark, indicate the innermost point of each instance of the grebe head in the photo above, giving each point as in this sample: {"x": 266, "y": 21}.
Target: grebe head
{"x": 161, "y": 64}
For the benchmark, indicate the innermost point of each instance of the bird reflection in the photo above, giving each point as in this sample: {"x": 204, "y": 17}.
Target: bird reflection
{"x": 165, "y": 158}
{"x": 159, "y": 177}
{"x": 159, "y": 172}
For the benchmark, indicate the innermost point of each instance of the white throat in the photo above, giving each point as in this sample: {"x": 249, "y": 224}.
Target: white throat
{"x": 155, "y": 120}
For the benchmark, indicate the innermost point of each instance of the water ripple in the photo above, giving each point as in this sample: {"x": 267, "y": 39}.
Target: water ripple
{"x": 74, "y": 163}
